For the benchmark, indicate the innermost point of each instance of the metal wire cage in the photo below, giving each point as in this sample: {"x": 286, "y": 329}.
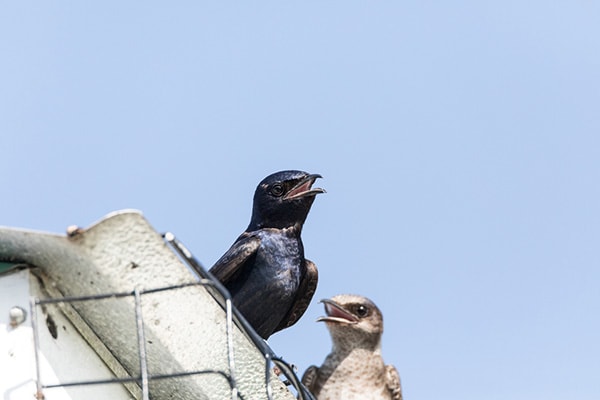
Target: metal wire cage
{"x": 143, "y": 377}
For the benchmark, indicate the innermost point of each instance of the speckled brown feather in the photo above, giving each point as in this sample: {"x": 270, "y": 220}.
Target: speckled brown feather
{"x": 309, "y": 379}
{"x": 393, "y": 382}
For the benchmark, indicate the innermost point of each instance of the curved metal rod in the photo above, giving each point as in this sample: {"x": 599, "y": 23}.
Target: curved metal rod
{"x": 222, "y": 296}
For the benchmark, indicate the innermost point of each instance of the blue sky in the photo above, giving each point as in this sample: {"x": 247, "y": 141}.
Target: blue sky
{"x": 459, "y": 145}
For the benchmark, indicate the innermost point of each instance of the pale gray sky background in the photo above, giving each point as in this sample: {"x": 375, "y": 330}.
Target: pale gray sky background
{"x": 459, "y": 144}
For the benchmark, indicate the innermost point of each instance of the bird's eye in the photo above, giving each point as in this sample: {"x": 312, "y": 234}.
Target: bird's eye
{"x": 362, "y": 311}
{"x": 276, "y": 190}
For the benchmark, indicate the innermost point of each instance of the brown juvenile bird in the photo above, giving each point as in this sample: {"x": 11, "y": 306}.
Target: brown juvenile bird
{"x": 354, "y": 369}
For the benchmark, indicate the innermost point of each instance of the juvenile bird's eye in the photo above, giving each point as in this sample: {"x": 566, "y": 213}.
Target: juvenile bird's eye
{"x": 276, "y": 190}
{"x": 362, "y": 311}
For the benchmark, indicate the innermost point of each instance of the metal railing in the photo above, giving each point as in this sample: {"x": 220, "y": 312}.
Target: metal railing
{"x": 220, "y": 294}
{"x": 232, "y": 316}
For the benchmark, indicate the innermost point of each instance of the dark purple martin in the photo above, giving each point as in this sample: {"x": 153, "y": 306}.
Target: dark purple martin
{"x": 270, "y": 281}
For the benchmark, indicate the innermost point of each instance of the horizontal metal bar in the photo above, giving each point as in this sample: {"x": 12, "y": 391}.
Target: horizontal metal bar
{"x": 202, "y": 282}
{"x": 138, "y": 379}
{"x": 83, "y": 298}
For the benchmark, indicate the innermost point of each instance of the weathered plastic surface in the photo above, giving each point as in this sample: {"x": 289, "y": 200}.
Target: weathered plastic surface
{"x": 185, "y": 328}
{"x": 66, "y": 357}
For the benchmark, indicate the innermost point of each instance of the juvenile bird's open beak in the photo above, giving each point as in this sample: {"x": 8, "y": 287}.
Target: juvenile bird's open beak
{"x": 304, "y": 188}
{"x": 336, "y": 313}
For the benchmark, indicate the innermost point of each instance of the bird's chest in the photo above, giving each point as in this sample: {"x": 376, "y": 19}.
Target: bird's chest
{"x": 279, "y": 258}
{"x": 356, "y": 377}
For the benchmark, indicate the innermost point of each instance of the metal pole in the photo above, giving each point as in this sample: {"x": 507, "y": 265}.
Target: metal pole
{"x": 141, "y": 344}
{"x": 230, "y": 348}
{"x": 268, "y": 376}
{"x": 36, "y": 348}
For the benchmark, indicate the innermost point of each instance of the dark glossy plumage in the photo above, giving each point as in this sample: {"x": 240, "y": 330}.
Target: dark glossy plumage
{"x": 265, "y": 271}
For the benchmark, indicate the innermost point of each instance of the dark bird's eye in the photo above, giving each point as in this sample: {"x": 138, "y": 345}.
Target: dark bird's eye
{"x": 362, "y": 311}
{"x": 277, "y": 190}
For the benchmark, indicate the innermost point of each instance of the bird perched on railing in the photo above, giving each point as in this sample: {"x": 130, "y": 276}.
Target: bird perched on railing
{"x": 270, "y": 281}
{"x": 354, "y": 370}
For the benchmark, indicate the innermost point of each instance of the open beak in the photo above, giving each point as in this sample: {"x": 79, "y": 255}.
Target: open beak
{"x": 336, "y": 313}
{"x": 304, "y": 188}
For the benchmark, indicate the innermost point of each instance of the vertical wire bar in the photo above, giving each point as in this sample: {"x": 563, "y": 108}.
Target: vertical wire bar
{"x": 141, "y": 344}
{"x": 230, "y": 354}
{"x": 36, "y": 347}
{"x": 268, "y": 376}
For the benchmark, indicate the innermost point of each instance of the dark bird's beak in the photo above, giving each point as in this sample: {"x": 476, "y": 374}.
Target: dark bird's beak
{"x": 304, "y": 188}
{"x": 336, "y": 313}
